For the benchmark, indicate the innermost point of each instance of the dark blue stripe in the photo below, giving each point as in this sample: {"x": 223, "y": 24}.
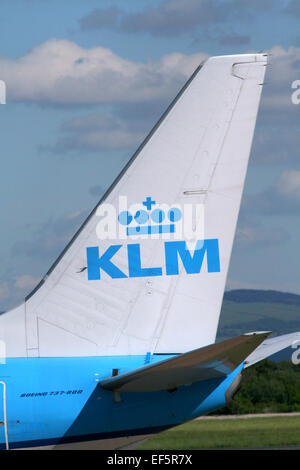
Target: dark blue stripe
{"x": 85, "y": 438}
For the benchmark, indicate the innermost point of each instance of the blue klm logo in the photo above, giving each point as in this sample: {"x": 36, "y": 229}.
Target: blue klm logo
{"x": 154, "y": 219}
{"x": 192, "y": 262}
{"x": 173, "y": 250}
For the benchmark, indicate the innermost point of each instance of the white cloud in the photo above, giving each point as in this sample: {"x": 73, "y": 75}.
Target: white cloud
{"x": 49, "y": 240}
{"x": 59, "y": 71}
{"x": 26, "y": 281}
{"x": 232, "y": 284}
{"x": 277, "y": 136}
{"x": 97, "y": 132}
{"x": 257, "y": 236}
{"x": 175, "y": 17}
{"x": 282, "y": 197}
{"x": 77, "y": 214}
{"x": 4, "y": 290}
{"x": 284, "y": 65}
{"x": 288, "y": 183}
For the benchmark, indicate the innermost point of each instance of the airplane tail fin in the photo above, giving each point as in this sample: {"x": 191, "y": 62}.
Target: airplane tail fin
{"x": 154, "y": 280}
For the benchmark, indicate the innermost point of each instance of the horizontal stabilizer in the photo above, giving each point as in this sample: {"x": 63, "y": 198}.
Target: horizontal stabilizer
{"x": 272, "y": 346}
{"x": 216, "y": 360}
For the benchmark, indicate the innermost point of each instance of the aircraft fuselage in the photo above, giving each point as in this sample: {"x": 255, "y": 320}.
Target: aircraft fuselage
{"x": 59, "y": 400}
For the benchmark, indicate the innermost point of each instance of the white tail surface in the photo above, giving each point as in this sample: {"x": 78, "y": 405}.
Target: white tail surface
{"x": 197, "y": 153}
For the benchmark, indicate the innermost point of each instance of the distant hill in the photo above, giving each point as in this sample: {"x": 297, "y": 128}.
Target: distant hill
{"x": 265, "y": 296}
{"x": 246, "y": 310}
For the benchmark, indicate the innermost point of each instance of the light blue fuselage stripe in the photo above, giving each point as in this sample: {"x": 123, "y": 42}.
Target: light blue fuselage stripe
{"x": 49, "y": 399}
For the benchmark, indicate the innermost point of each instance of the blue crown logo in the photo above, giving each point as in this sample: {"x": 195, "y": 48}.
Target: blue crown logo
{"x": 155, "y": 220}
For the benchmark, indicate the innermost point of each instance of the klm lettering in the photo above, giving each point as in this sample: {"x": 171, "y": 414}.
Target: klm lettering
{"x": 174, "y": 253}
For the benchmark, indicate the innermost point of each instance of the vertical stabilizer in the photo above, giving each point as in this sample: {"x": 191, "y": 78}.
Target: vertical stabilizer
{"x": 133, "y": 294}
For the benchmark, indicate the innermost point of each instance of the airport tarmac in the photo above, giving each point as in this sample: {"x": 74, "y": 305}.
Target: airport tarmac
{"x": 247, "y": 416}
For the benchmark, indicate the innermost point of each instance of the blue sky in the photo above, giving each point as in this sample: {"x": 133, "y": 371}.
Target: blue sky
{"x": 69, "y": 126}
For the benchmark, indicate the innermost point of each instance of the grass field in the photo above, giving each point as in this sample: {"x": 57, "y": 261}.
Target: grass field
{"x": 279, "y": 431}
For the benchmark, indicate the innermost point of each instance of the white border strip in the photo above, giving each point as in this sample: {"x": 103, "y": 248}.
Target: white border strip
{"x": 5, "y": 416}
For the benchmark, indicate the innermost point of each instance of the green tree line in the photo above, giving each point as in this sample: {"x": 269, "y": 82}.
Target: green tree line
{"x": 267, "y": 387}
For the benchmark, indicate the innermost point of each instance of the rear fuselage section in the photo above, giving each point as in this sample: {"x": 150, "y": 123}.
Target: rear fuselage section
{"x": 59, "y": 400}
